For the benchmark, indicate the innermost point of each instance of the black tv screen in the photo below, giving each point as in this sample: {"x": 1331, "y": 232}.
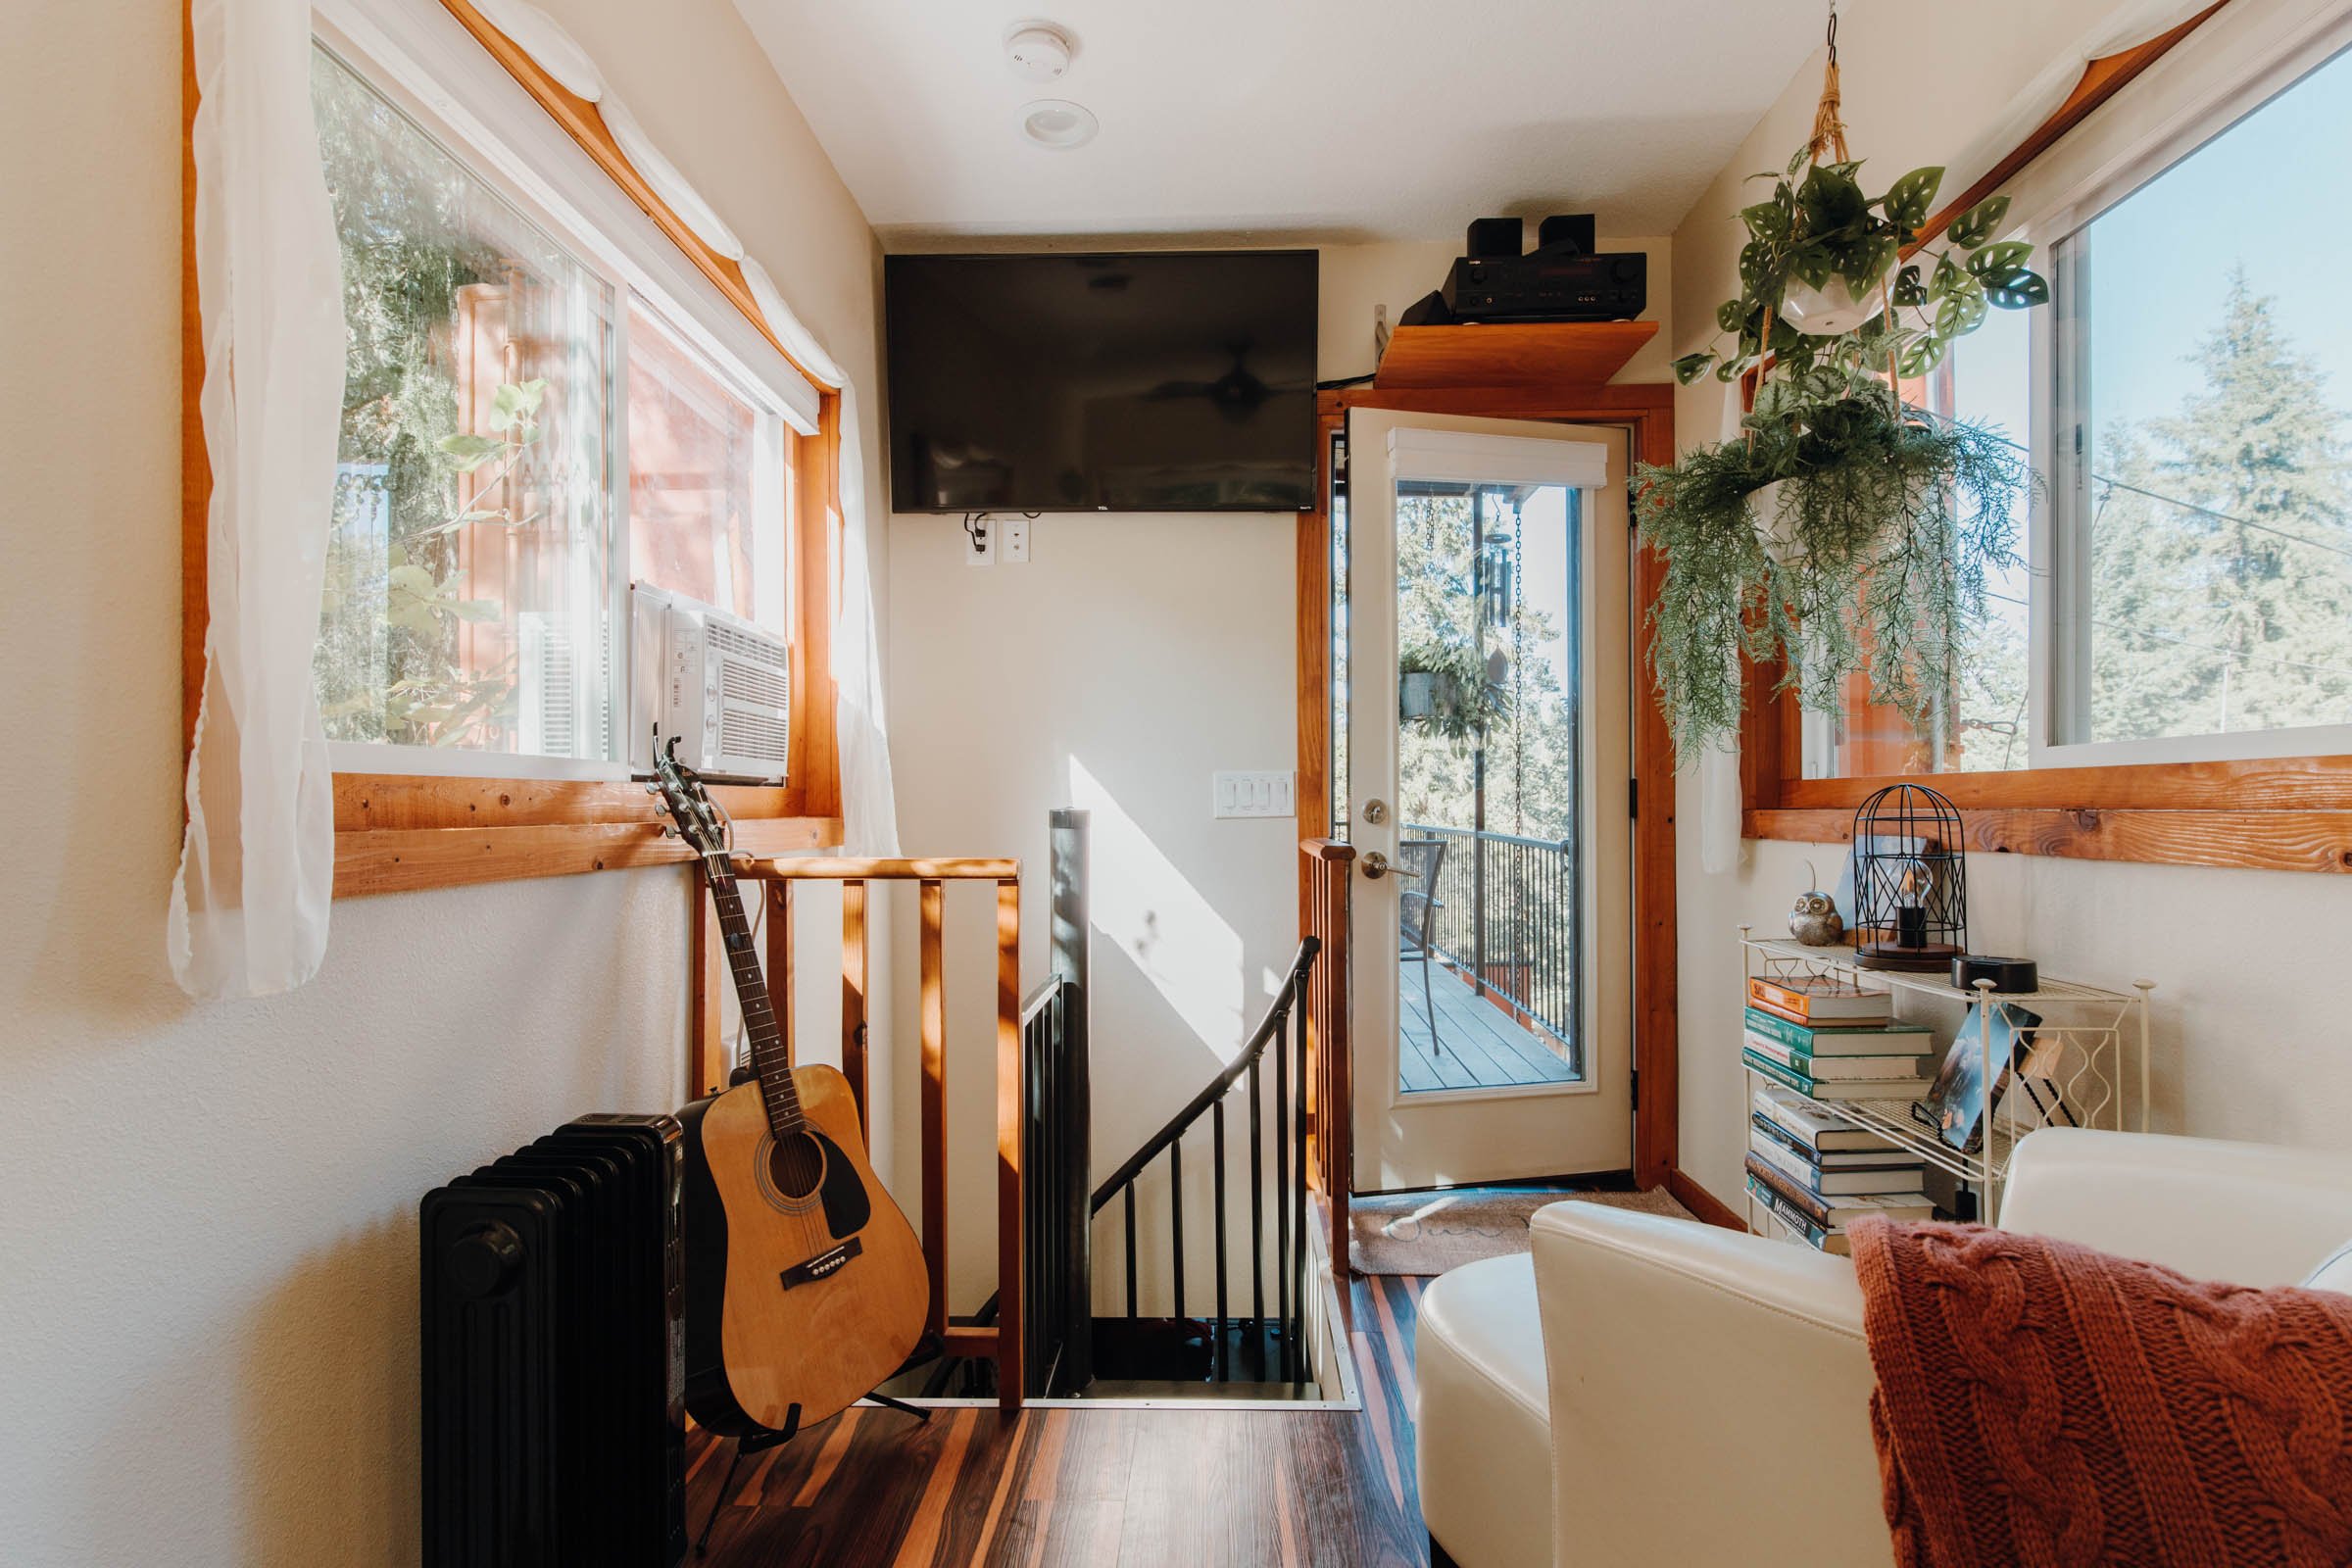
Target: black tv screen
{"x": 1169, "y": 381}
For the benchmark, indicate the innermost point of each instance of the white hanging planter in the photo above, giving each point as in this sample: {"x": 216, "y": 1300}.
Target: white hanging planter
{"x": 1764, "y": 511}
{"x": 1832, "y": 308}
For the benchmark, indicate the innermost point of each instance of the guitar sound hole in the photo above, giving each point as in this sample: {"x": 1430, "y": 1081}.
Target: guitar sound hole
{"x": 796, "y": 1165}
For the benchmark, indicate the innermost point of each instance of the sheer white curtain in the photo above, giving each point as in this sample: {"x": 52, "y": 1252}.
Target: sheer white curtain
{"x": 249, "y": 905}
{"x": 869, "y": 812}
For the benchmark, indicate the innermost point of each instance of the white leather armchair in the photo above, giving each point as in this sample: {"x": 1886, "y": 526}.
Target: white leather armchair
{"x": 1647, "y": 1391}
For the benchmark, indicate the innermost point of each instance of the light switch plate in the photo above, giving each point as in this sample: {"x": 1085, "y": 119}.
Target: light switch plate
{"x": 1254, "y": 795}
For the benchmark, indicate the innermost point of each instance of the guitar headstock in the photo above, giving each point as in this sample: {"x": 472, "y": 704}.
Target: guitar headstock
{"x": 687, "y": 800}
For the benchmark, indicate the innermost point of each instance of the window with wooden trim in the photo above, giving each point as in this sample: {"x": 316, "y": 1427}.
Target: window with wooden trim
{"x": 526, "y": 431}
{"x": 2167, "y": 675}
{"x": 556, "y": 388}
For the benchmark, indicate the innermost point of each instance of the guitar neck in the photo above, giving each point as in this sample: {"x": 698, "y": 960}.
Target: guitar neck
{"x": 769, "y": 1060}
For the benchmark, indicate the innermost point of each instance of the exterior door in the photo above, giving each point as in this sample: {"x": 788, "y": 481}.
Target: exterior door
{"x": 1488, "y": 641}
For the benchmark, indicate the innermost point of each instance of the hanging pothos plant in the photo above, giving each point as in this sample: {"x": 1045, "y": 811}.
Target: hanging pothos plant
{"x": 1844, "y": 529}
{"x": 1466, "y": 696}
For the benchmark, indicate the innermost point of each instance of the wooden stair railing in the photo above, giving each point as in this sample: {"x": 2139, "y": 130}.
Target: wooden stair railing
{"x": 1003, "y": 1341}
{"x": 1328, "y": 885}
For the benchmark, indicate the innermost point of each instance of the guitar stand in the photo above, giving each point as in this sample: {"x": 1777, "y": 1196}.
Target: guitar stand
{"x": 767, "y": 1437}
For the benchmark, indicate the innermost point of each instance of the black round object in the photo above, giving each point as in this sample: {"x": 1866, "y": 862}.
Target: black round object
{"x": 483, "y": 1261}
{"x": 2013, "y": 976}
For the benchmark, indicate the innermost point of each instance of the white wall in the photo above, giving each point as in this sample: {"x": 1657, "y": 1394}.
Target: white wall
{"x": 2249, "y": 1041}
{"x": 1131, "y": 658}
{"x": 208, "y": 1238}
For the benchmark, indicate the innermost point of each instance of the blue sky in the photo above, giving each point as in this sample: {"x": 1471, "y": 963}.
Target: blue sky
{"x": 2267, "y": 194}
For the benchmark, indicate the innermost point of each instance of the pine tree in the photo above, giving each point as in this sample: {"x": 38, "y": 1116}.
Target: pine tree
{"x": 2223, "y": 548}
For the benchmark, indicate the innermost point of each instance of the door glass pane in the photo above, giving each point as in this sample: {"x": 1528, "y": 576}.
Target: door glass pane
{"x": 1488, "y": 637}
{"x": 468, "y": 564}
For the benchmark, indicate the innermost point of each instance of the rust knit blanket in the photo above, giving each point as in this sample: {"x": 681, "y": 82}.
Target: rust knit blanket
{"x": 2044, "y": 1405}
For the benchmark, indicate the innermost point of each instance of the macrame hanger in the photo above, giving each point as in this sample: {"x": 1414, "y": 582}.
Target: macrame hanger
{"x": 1828, "y": 131}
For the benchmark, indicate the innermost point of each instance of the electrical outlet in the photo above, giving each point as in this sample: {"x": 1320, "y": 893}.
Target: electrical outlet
{"x": 1254, "y": 795}
{"x": 1014, "y": 532}
{"x": 979, "y": 542}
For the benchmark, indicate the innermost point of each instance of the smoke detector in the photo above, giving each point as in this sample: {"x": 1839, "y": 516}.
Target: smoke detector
{"x": 1038, "y": 51}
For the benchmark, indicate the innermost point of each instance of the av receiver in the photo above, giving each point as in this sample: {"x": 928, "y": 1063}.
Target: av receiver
{"x": 1562, "y": 279}
{"x": 1612, "y": 287}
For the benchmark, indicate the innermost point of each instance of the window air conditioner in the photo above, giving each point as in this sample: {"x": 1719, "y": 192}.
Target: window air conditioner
{"x": 721, "y": 684}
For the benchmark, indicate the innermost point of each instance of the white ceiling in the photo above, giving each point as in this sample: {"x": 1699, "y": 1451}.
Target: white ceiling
{"x": 1326, "y": 120}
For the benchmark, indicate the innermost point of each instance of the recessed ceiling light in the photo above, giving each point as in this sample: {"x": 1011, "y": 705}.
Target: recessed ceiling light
{"x": 1057, "y": 122}
{"x": 1038, "y": 51}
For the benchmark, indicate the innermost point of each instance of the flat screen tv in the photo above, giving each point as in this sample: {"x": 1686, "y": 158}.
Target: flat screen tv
{"x": 1169, "y": 381}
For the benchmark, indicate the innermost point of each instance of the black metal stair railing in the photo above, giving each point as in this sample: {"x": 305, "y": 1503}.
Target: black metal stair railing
{"x": 1279, "y": 1035}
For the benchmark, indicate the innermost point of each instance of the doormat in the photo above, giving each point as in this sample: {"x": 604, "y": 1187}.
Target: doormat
{"x": 1429, "y": 1233}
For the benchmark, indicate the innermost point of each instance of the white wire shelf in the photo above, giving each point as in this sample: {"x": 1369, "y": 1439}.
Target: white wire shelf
{"x": 2086, "y": 1042}
{"x": 1840, "y": 961}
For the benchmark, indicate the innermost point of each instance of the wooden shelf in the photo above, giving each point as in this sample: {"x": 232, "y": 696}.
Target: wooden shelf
{"x": 1510, "y": 353}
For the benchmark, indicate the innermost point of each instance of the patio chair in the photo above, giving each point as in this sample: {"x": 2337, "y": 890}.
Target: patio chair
{"x": 1416, "y": 913}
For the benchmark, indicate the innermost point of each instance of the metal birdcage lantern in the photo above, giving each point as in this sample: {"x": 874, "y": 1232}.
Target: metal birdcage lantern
{"x": 1910, "y": 882}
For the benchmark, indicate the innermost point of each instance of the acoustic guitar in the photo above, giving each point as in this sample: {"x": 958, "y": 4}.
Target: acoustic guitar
{"x": 805, "y": 1287}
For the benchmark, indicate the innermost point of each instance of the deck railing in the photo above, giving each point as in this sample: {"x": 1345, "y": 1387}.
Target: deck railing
{"x": 1506, "y": 920}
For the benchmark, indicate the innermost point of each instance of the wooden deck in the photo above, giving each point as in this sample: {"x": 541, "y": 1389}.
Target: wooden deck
{"x": 1482, "y": 1046}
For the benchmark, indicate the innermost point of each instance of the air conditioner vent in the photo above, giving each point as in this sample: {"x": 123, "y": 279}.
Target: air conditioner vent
{"x": 721, "y": 684}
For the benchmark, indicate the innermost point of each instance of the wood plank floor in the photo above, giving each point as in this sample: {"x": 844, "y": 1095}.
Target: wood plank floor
{"x": 1142, "y": 1489}
{"x": 1484, "y": 1048}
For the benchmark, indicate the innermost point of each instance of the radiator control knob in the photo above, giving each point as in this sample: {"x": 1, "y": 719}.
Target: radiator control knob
{"x": 484, "y": 1262}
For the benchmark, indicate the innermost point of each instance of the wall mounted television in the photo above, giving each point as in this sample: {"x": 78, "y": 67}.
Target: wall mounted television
{"x": 1159, "y": 382}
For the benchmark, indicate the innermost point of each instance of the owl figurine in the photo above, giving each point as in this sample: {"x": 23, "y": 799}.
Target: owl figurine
{"x": 1815, "y": 921}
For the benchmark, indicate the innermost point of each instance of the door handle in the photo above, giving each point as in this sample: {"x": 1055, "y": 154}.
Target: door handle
{"x": 1376, "y": 866}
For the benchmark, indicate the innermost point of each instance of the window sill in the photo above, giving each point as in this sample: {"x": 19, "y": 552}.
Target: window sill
{"x": 397, "y": 833}
{"x": 2291, "y": 840}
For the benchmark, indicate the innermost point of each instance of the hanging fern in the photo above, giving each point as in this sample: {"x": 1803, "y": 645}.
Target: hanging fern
{"x": 1873, "y": 556}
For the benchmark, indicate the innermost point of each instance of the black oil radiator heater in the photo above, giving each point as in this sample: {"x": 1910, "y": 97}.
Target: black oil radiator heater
{"x": 553, "y": 1345}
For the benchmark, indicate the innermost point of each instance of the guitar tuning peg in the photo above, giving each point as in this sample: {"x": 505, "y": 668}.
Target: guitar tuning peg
{"x": 653, "y": 788}
{"x": 668, "y": 831}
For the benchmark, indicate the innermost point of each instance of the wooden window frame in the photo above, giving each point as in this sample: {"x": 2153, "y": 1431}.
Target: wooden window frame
{"x": 2289, "y": 814}
{"x": 400, "y": 832}
{"x": 1645, "y": 411}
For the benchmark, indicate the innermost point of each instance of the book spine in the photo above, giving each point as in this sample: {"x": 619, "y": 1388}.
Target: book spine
{"x": 1782, "y": 1052}
{"x": 1778, "y": 1073}
{"x": 1802, "y": 1148}
{"x": 1774, "y": 1026}
{"x": 1808, "y": 1204}
{"x": 1789, "y": 1165}
{"x": 1786, "y": 1118}
{"x": 1791, "y": 1005}
{"x": 1782, "y": 1211}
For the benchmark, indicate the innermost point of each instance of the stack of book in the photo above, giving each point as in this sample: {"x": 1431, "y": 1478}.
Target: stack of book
{"x": 1830, "y": 1044}
{"x": 1815, "y": 1174}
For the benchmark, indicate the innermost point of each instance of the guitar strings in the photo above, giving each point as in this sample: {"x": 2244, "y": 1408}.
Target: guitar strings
{"x": 815, "y": 1236}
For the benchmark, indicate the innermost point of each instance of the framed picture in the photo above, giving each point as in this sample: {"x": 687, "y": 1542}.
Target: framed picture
{"x": 1959, "y": 1104}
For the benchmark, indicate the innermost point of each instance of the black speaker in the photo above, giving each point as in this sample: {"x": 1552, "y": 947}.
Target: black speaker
{"x": 1568, "y": 234}
{"x": 1491, "y": 237}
